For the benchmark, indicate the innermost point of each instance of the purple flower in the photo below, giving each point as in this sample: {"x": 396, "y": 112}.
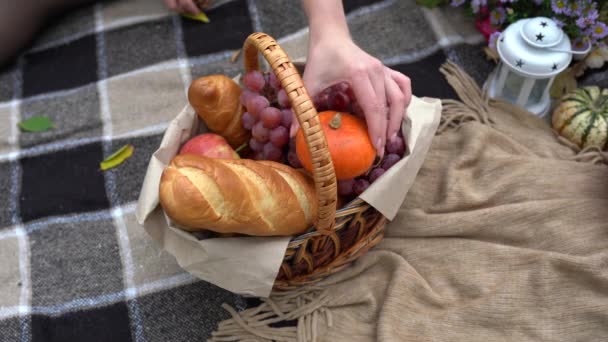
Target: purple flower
{"x": 592, "y": 14}
{"x": 579, "y": 44}
{"x": 582, "y": 22}
{"x": 559, "y": 6}
{"x": 507, "y": 1}
{"x": 538, "y": 2}
{"x": 568, "y": 12}
{"x": 587, "y": 5}
{"x": 558, "y": 22}
{"x": 576, "y": 8}
{"x": 456, "y": 3}
{"x": 589, "y": 20}
{"x": 599, "y": 30}
{"x": 581, "y": 8}
{"x": 498, "y": 16}
{"x": 493, "y": 39}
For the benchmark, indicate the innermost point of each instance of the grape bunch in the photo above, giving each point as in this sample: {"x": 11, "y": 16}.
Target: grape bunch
{"x": 268, "y": 116}
{"x": 338, "y": 97}
{"x": 393, "y": 152}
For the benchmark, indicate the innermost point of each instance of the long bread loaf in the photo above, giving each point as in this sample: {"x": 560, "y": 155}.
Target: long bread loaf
{"x": 260, "y": 198}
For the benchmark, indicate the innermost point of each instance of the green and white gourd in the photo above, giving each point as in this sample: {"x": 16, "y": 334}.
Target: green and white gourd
{"x": 582, "y": 117}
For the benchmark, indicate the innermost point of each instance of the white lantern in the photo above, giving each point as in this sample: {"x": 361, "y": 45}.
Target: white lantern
{"x": 532, "y": 52}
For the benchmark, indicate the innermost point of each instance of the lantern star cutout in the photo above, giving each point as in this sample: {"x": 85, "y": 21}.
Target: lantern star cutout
{"x": 543, "y": 23}
{"x": 554, "y": 67}
{"x": 540, "y": 37}
{"x": 519, "y": 63}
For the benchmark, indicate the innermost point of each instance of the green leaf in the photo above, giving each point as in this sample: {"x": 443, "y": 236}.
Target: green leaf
{"x": 36, "y": 124}
{"x": 200, "y": 17}
{"x": 117, "y": 157}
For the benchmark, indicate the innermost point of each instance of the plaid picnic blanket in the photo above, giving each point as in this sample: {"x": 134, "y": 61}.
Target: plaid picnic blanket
{"x": 74, "y": 264}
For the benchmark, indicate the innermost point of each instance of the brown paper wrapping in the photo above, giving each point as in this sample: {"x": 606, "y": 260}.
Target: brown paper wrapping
{"x": 249, "y": 265}
{"x": 388, "y": 192}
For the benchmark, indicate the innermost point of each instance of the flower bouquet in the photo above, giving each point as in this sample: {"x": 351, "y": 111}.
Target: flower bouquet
{"x": 584, "y": 21}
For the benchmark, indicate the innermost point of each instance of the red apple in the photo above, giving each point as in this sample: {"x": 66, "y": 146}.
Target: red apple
{"x": 209, "y": 145}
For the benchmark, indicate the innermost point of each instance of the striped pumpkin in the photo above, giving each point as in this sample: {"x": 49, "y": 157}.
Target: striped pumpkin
{"x": 582, "y": 117}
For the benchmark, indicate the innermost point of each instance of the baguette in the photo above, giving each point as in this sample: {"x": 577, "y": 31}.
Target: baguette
{"x": 216, "y": 101}
{"x": 258, "y": 198}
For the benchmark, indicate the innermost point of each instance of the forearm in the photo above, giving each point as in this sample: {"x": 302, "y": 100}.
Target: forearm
{"x": 326, "y": 19}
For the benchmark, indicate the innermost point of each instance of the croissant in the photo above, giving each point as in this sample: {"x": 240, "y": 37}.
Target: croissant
{"x": 216, "y": 100}
{"x": 244, "y": 196}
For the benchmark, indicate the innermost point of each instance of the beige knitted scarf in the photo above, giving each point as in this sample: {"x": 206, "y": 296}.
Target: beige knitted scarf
{"x": 503, "y": 237}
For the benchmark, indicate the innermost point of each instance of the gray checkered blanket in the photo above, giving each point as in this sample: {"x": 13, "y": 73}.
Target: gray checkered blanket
{"x": 75, "y": 265}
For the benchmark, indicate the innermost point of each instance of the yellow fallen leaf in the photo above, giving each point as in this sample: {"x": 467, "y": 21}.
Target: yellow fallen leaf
{"x": 117, "y": 157}
{"x": 200, "y": 17}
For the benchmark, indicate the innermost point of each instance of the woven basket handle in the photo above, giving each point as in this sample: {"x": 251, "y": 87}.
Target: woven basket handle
{"x": 323, "y": 169}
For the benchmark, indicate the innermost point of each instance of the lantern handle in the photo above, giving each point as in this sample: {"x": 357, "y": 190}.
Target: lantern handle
{"x": 574, "y": 52}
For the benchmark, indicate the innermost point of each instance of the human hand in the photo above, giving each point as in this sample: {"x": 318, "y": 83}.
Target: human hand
{"x": 183, "y": 6}
{"x": 382, "y": 93}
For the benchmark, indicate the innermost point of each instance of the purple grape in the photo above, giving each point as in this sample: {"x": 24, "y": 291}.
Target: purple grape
{"x": 245, "y": 96}
{"x": 283, "y": 99}
{"x": 254, "y": 81}
{"x": 340, "y": 87}
{"x": 287, "y": 118}
{"x": 256, "y": 145}
{"x": 248, "y": 121}
{"x": 292, "y": 157}
{"x": 269, "y": 92}
{"x": 351, "y": 94}
{"x": 271, "y": 152}
{"x": 345, "y": 187}
{"x": 274, "y": 81}
{"x": 390, "y": 160}
{"x": 279, "y": 136}
{"x": 321, "y": 101}
{"x": 256, "y": 104}
{"x": 261, "y": 133}
{"x": 360, "y": 186}
{"x": 375, "y": 174}
{"x": 266, "y": 79}
{"x": 292, "y": 144}
{"x": 339, "y": 101}
{"x": 258, "y": 155}
{"x": 271, "y": 117}
{"x": 396, "y": 146}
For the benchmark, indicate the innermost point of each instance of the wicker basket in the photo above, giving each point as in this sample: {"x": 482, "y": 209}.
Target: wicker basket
{"x": 338, "y": 236}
